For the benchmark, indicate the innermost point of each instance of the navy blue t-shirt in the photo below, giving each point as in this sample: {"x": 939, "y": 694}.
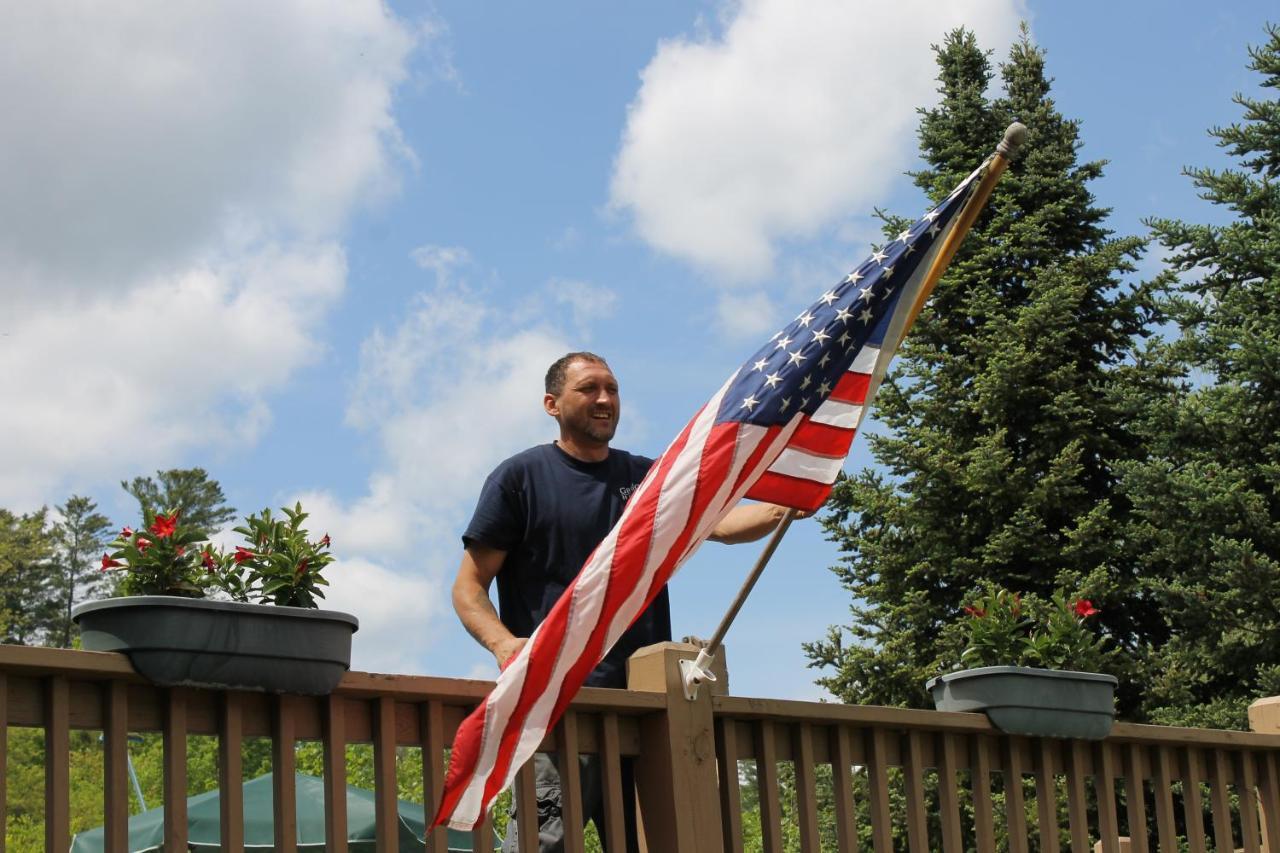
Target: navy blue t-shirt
{"x": 549, "y": 511}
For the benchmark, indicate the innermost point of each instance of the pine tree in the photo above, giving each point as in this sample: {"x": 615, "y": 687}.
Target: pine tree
{"x": 78, "y": 540}
{"x": 1003, "y": 426}
{"x": 1207, "y": 501}
{"x": 28, "y": 603}
{"x": 191, "y": 491}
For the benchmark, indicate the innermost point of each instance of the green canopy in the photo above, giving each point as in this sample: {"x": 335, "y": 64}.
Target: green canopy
{"x": 146, "y": 830}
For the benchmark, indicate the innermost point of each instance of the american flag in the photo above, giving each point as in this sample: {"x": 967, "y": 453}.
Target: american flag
{"x": 778, "y": 430}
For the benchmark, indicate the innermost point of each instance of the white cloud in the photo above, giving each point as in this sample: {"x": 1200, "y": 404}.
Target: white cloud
{"x": 586, "y": 302}
{"x": 115, "y": 384}
{"x": 394, "y": 610}
{"x": 138, "y": 135}
{"x": 175, "y": 178}
{"x": 789, "y": 118}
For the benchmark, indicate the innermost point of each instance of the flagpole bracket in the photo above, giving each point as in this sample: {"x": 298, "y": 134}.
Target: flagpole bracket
{"x": 694, "y": 672}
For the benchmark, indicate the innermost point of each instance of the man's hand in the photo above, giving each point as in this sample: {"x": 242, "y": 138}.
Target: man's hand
{"x": 504, "y": 651}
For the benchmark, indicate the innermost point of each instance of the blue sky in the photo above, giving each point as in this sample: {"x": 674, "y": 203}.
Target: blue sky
{"x": 326, "y": 250}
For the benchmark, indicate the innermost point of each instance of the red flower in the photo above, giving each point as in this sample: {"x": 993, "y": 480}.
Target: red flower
{"x": 206, "y": 560}
{"x": 181, "y": 550}
{"x": 976, "y": 612}
{"x": 108, "y": 563}
{"x": 127, "y": 532}
{"x": 243, "y": 554}
{"x": 1084, "y": 608}
{"x": 143, "y": 544}
{"x": 325, "y": 541}
{"x": 164, "y": 525}
{"x": 302, "y": 567}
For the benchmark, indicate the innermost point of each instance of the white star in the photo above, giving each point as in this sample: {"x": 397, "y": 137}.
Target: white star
{"x": 786, "y": 401}
{"x": 822, "y": 362}
{"x": 804, "y": 402}
{"x": 888, "y": 291}
{"x": 905, "y": 235}
{"x": 772, "y": 380}
{"x": 853, "y": 277}
{"x": 865, "y": 316}
{"x": 824, "y": 389}
{"x": 843, "y": 339}
{"x": 760, "y": 365}
{"x": 805, "y": 319}
{"x": 878, "y": 256}
{"x": 931, "y": 215}
{"x": 808, "y": 380}
{"x": 934, "y": 229}
{"x": 795, "y": 357}
{"x": 828, "y": 297}
{"x": 911, "y": 247}
{"x": 864, "y": 294}
{"x": 820, "y": 336}
{"x": 750, "y": 403}
{"x": 888, "y": 272}
{"x": 784, "y": 343}
{"x": 843, "y": 315}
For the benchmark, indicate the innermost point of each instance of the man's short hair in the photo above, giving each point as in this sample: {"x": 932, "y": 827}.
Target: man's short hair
{"x": 559, "y": 367}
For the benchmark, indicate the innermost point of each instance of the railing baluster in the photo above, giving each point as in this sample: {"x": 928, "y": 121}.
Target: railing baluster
{"x": 333, "y": 731}
{"x": 1270, "y": 793}
{"x": 983, "y": 812}
{"x": 1104, "y": 777}
{"x": 913, "y": 772}
{"x": 615, "y": 830}
{"x": 1135, "y": 799}
{"x": 570, "y": 783}
{"x": 730, "y": 794}
{"x": 1192, "y": 799}
{"x": 1077, "y": 802}
{"x": 1162, "y": 785}
{"x": 175, "y": 769}
{"x": 1015, "y": 807}
{"x": 767, "y": 782}
{"x": 526, "y": 794}
{"x": 1247, "y": 783}
{"x": 1220, "y": 800}
{"x": 842, "y": 782}
{"x": 806, "y": 789}
{"x": 949, "y": 794}
{"x": 878, "y": 786}
{"x": 482, "y": 832}
{"x": 431, "y": 737}
{"x": 231, "y": 771}
{"x": 1047, "y": 796}
{"x": 283, "y": 774}
{"x": 115, "y": 768}
{"x": 386, "y": 815}
{"x": 57, "y": 770}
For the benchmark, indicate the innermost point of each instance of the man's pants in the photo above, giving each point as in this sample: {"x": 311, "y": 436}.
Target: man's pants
{"x": 546, "y": 782}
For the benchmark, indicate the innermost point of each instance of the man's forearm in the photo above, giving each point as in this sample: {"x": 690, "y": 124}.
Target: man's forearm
{"x": 748, "y": 522}
{"x": 478, "y": 616}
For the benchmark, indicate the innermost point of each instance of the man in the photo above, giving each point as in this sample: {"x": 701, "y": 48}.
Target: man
{"x": 539, "y": 516}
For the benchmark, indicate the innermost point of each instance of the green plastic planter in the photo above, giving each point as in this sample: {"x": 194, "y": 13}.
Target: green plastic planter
{"x": 1024, "y": 700}
{"x": 222, "y": 644}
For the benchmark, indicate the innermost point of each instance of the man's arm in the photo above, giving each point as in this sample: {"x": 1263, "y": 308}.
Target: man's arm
{"x": 480, "y": 565}
{"x": 748, "y": 522}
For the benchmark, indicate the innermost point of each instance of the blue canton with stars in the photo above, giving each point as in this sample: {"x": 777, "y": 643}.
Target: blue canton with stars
{"x": 799, "y": 366}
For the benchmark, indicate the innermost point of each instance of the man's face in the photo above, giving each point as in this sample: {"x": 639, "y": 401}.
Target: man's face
{"x": 588, "y": 407}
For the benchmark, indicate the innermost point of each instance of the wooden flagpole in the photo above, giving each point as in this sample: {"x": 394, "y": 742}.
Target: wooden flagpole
{"x": 697, "y": 671}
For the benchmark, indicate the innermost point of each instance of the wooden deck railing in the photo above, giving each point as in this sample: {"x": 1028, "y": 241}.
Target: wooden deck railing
{"x": 719, "y": 773}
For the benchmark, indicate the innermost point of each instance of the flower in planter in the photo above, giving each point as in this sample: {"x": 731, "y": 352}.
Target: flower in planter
{"x": 1004, "y": 628}
{"x": 160, "y": 562}
{"x": 280, "y": 565}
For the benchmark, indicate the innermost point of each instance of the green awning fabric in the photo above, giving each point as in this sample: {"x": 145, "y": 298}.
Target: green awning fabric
{"x": 146, "y": 830}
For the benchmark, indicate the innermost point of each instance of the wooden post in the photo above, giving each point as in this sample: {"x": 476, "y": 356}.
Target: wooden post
{"x": 1264, "y": 717}
{"x": 676, "y": 776}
